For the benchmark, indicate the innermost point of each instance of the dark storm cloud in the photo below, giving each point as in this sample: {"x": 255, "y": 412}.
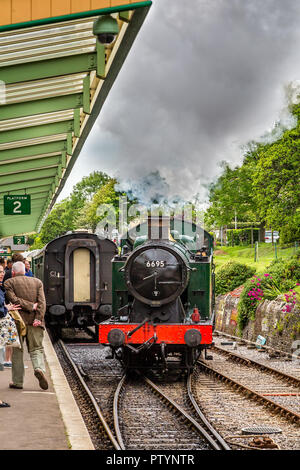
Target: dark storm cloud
{"x": 202, "y": 79}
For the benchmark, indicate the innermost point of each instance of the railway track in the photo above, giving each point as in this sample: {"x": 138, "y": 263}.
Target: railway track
{"x": 140, "y": 414}
{"x": 238, "y": 358}
{"x": 280, "y": 392}
{"x": 231, "y": 374}
{"x": 96, "y": 421}
{"x": 137, "y": 408}
{"x": 169, "y": 425}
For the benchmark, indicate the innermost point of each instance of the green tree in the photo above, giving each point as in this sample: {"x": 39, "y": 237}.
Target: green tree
{"x": 60, "y": 220}
{"x": 66, "y": 215}
{"x": 232, "y": 196}
{"x": 265, "y": 188}
{"x": 276, "y": 181}
{"x": 108, "y": 199}
{"x": 85, "y": 190}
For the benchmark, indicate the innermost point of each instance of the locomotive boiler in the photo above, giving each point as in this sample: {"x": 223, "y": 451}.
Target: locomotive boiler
{"x": 76, "y": 272}
{"x": 163, "y": 297}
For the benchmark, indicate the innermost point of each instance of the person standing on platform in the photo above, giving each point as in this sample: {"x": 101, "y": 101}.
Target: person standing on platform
{"x": 9, "y": 264}
{"x": 15, "y": 257}
{"x": 8, "y": 267}
{"x": 3, "y": 312}
{"x": 28, "y": 292}
{"x": 28, "y": 271}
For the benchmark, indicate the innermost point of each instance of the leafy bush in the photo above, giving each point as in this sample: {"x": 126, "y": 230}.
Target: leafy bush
{"x": 290, "y": 233}
{"x": 247, "y": 306}
{"x": 260, "y": 287}
{"x": 285, "y": 272}
{"x": 232, "y": 275}
{"x": 241, "y": 236}
{"x": 282, "y": 278}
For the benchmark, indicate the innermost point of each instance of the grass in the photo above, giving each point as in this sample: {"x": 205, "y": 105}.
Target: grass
{"x": 245, "y": 255}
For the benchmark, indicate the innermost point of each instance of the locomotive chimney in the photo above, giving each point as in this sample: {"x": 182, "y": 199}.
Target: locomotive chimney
{"x": 158, "y": 227}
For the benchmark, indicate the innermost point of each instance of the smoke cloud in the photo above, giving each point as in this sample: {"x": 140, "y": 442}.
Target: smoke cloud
{"x": 203, "y": 78}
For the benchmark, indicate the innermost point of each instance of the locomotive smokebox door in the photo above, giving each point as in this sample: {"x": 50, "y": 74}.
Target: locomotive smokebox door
{"x": 156, "y": 273}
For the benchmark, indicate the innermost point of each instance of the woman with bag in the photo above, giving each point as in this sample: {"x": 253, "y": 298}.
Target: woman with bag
{"x": 3, "y": 313}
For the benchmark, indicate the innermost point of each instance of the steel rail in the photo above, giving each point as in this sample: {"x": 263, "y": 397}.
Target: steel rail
{"x": 215, "y": 445}
{"x": 116, "y": 412}
{"x": 291, "y": 415}
{"x": 239, "y": 358}
{"x": 264, "y": 347}
{"x": 223, "y": 444}
{"x": 94, "y": 402}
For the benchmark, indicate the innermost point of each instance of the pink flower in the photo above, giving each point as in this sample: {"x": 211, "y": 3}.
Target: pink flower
{"x": 266, "y": 275}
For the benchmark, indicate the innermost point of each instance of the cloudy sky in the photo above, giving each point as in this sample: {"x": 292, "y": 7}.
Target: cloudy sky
{"x": 203, "y": 78}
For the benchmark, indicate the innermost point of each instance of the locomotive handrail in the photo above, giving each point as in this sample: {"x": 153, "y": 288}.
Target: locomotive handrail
{"x": 130, "y": 333}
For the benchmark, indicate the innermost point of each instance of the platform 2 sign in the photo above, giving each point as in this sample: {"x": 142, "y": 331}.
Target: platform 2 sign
{"x": 19, "y": 240}
{"x": 17, "y": 205}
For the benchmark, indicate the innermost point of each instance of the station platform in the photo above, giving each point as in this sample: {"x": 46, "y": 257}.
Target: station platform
{"x": 38, "y": 419}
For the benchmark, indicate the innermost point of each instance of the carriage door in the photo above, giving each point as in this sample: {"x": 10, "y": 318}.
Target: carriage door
{"x": 82, "y": 270}
{"x": 82, "y": 264}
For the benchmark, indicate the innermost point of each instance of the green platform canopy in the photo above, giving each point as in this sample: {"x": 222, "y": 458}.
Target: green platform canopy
{"x": 54, "y": 80}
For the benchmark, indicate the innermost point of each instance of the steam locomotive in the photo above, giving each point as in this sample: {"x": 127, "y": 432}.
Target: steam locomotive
{"x": 76, "y": 272}
{"x": 162, "y": 296}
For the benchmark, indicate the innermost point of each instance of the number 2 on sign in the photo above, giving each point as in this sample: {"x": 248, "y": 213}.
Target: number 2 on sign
{"x": 17, "y": 205}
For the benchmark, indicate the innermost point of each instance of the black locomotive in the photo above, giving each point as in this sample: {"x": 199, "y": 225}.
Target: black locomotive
{"x": 76, "y": 271}
{"x": 163, "y": 296}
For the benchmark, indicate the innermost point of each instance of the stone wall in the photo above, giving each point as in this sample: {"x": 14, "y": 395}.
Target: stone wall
{"x": 281, "y": 329}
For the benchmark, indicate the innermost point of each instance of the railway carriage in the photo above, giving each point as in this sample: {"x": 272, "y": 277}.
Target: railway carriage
{"x": 76, "y": 272}
{"x": 162, "y": 296}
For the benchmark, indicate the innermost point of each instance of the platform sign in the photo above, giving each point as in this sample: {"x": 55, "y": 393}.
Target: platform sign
{"x": 17, "y": 205}
{"x": 19, "y": 240}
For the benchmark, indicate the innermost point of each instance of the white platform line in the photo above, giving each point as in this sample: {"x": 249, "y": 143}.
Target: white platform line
{"x": 76, "y": 430}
